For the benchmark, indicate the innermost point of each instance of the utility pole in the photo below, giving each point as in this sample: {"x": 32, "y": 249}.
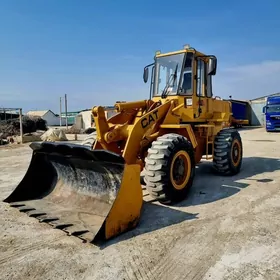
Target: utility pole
{"x": 20, "y": 125}
{"x": 66, "y": 120}
{"x": 60, "y": 108}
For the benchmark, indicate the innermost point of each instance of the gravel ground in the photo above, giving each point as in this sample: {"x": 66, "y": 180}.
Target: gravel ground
{"x": 227, "y": 229}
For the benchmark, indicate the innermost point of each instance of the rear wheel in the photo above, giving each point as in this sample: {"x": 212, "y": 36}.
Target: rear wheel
{"x": 169, "y": 168}
{"x": 228, "y": 152}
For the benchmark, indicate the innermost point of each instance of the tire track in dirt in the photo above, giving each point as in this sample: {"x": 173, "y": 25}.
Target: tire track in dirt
{"x": 261, "y": 200}
{"x": 165, "y": 263}
{"x": 35, "y": 260}
{"x": 136, "y": 267}
{"x": 34, "y": 270}
{"x": 131, "y": 271}
{"x": 170, "y": 268}
{"x": 146, "y": 262}
{"x": 22, "y": 250}
{"x": 142, "y": 266}
{"x": 223, "y": 241}
{"x": 199, "y": 270}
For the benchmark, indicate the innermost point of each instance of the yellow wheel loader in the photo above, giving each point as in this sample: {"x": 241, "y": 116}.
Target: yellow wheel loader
{"x": 95, "y": 193}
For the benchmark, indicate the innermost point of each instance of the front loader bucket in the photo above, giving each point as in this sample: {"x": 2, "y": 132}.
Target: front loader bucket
{"x": 90, "y": 194}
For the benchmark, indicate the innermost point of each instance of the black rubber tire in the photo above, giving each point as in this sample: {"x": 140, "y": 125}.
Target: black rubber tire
{"x": 223, "y": 158}
{"x": 158, "y": 164}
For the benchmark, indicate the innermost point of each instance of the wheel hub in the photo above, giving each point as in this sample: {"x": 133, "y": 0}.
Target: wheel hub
{"x": 235, "y": 152}
{"x": 180, "y": 171}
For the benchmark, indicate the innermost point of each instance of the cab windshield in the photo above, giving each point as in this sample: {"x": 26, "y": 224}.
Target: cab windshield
{"x": 273, "y": 108}
{"x": 165, "y": 68}
{"x": 168, "y": 71}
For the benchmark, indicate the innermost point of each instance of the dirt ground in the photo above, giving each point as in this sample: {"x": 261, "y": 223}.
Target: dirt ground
{"x": 228, "y": 228}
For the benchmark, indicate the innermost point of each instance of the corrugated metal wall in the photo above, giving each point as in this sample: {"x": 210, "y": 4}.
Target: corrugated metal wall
{"x": 257, "y": 116}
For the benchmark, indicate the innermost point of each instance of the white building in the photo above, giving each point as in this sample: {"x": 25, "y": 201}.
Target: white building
{"x": 47, "y": 115}
{"x": 85, "y": 120}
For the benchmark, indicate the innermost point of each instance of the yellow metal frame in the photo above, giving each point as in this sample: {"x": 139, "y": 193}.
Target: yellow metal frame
{"x": 137, "y": 124}
{"x": 130, "y": 195}
{"x": 132, "y": 130}
{"x": 171, "y": 53}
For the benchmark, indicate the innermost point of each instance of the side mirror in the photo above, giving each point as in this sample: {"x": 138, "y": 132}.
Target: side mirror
{"x": 146, "y": 74}
{"x": 264, "y": 110}
{"x": 212, "y": 66}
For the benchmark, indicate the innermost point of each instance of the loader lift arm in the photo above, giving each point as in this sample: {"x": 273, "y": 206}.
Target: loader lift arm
{"x": 129, "y": 138}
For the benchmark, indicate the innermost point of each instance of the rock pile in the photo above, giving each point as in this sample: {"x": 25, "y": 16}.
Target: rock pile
{"x": 29, "y": 124}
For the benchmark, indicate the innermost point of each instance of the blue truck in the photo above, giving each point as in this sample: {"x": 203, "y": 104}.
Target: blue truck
{"x": 272, "y": 113}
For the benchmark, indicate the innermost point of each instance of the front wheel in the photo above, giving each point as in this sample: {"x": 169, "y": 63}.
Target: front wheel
{"x": 170, "y": 168}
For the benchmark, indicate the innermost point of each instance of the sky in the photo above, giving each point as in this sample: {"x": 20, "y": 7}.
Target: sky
{"x": 95, "y": 51}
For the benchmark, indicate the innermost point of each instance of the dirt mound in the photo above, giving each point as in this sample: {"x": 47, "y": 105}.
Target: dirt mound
{"x": 29, "y": 124}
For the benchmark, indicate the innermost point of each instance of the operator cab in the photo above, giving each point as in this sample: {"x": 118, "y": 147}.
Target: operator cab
{"x": 181, "y": 73}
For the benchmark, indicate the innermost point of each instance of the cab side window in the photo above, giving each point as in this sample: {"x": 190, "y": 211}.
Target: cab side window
{"x": 209, "y": 92}
{"x": 200, "y": 77}
{"x": 186, "y": 87}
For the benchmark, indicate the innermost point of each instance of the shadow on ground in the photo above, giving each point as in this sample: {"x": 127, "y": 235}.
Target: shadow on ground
{"x": 208, "y": 187}
{"x": 244, "y": 128}
{"x": 153, "y": 217}
{"x": 260, "y": 140}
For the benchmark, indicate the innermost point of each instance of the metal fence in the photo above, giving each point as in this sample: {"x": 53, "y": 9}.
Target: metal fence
{"x": 4, "y": 117}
